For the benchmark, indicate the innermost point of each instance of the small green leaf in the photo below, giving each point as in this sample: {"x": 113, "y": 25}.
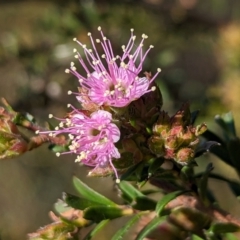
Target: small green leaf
{"x": 88, "y": 193}
{"x": 120, "y": 233}
{"x": 166, "y": 199}
{"x": 234, "y": 152}
{"x": 58, "y": 148}
{"x": 211, "y": 136}
{"x": 141, "y": 184}
{"x": 144, "y": 203}
{"x": 96, "y": 229}
{"x": 219, "y": 228}
{"x": 202, "y": 186}
{"x": 222, "y": 153}
{"x": 150, "y": 227}
{"x": 195, "y": 237}
{"x": 61, "y": 207}
{"x": 229, "y": 120}
{"x": 234, "y": 186}
{"x": 189, "y": 219}
{"x": 140, "y": 172}
{"x": 187, "y": 173}
{"x": 149, "y": 191}
{"x": 129, "y": 191}
{"x": 205, "y": 146}
{"x": 126, "y": 161}
{"x": 226, "y": 122}
{"x": 230, "y": 236}
{"x": 77, "y": 202}
{"x": 154, "y": 165}
{"x": 194, "y": 115}
{"x": 23, "y": 119}
{"x": 99, "y": 213}
{"x": 50, "y": 126}
{"x": 130, "y": 174}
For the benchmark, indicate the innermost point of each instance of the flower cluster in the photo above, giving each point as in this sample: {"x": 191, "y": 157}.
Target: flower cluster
{"x": 110, "y": 81}
{"x": 175, "y": 137}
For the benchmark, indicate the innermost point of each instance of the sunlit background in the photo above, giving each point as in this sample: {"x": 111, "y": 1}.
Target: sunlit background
{"x": 196, "y": 44}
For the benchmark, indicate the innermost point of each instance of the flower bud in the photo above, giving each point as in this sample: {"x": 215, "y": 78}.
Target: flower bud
{"x": 182, "y": 117}
{"x": 184, "y": 155}
{"x": 156, "y": 145}
{"x": 200, "y": 129}
{"x": 162, "y": 125}
{"x": 11, "y": 142}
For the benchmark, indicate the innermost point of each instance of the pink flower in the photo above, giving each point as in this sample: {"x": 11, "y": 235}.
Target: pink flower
{"x": 108, "y": 82}
{"x": 92, "y": 137}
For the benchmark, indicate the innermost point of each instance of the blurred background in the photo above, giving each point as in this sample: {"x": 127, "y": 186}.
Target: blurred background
{"x": 196, "y": 44}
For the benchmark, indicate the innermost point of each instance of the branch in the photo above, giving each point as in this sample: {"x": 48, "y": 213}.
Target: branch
{"x": 194, "y": 202}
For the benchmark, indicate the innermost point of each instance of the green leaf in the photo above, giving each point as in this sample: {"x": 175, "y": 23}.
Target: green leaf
{"x": 187, "y": 173}
{"x": 78, "y": 203}
{"x": 140, "y": 172}
{"x": 211, "y": 197}
{"x": 122, "y": 231}
{"x": 61, "y": 207}
{"x": 234, "y": 152}
{"x": 205, "y": 146}
{"x": 144, "y": 203}
{"x": 234, "y": 186}
{"x": 130, "y": 174}
{"x": 99, "y": 213}
{"x": 230, "y": 236}
{"x": 195, "y": 237}
{"x": 166, "y": 199}
{"x": 96, "y": 229}
{"x": 50, "y": 126}
{"x": 150, "y": 227}
{"x": 23, "y": 119}
{"x": 58, "y": 148}
{"x": 88, "y": 193}
{"x": 229, "y": 120}
{"x": 141, "y": 184}
{"x": 219, "y": 228}
{"x": 213, "y": 237}
{"x": 222, "y": 153}
{"x": 154, "y": 165}
{"x": 212, "y": 175}
{"x": 194, "y": 115}
{"x": 129, "y": 191}
{"x": 190, "y": 219}
{"x": 149, "y": 191}
{"x": 202, "y": 186}
{"x": 226, "y": 122}
{"x": 211, "y": 136}
{"x": 126, "y": 161}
